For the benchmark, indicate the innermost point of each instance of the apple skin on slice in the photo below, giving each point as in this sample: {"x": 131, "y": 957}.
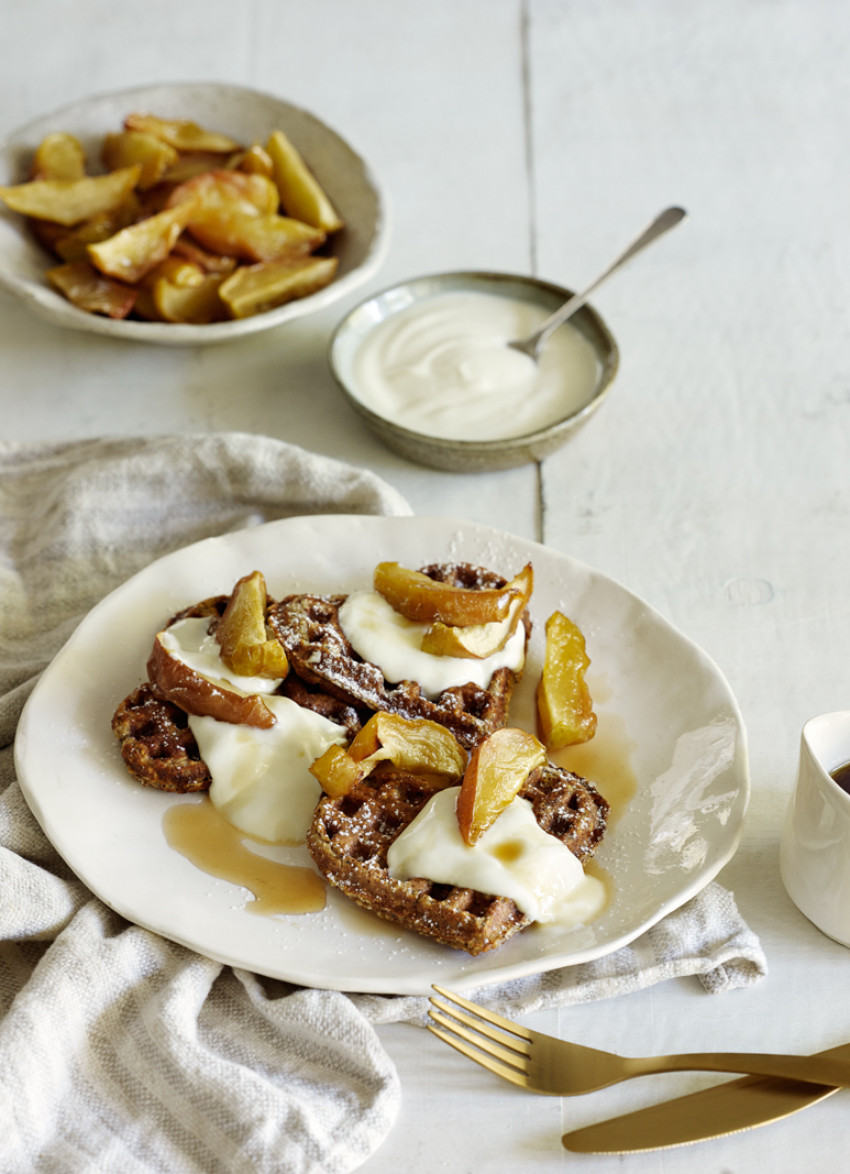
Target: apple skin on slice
{"x": 496, "y": 771}
{"x": 424, "y": 600}
{"x": 478, "y": 641}
{"x": 199, "y": 695}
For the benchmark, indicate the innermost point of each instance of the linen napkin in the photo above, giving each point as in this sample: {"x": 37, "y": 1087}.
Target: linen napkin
{"x": 121, "y": 1051}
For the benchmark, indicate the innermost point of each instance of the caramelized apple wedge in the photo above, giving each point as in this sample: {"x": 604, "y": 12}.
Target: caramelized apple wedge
{"x": 202, "y": 696}
{"x": 59, "y": 156}
{"x": 89, "y": 290}
{"x": 227, "y": 191}
{"x": 422, "y": 747}
{"x": 127, "y": 147}
{"x": 478, "y": 641}
{"x": 253, "y": 289}
{"x": 564, "y": 704}
{"x": 242, "y": 636}
{"x": 301, "y": 194}
{"x": 178, "y": 271}
{"x": 336, "y": 771}
{"x": 185, "y": 247}
{"x": 415, "y": 596}
{"x": 414, "y": 744}
{"x": 72, "y": 244}
{"x": 181, "y": 133}
{"x": 255, "y": 160}
{"x": 254, "y": 238}
{"x": 197, "y": 303}
{"x": 69, "y": 201}
{"x": 134, "y": 251}
{"x": 496, "y": 771}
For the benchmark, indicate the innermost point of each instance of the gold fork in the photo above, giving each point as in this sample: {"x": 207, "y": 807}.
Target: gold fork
{"x": 543, "y": 1064}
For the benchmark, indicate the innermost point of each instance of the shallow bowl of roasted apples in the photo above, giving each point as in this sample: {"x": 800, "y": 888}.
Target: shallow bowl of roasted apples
{"x": 184, "y": 214}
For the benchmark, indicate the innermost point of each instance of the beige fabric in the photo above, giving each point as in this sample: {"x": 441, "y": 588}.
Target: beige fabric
{"x": 120, "y": 1051}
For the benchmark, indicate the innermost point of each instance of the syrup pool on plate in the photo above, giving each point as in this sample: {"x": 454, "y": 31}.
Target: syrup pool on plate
{"x": 200, "y": 833}
{"x": 442, "y": 367}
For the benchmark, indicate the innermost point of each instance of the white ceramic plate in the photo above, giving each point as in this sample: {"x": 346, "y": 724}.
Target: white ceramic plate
{"x": 247, "y": 116}
{"x": 665, "y": 711}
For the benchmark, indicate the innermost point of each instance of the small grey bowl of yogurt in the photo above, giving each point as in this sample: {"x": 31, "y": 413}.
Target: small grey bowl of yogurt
{"x": 427, "y": 365}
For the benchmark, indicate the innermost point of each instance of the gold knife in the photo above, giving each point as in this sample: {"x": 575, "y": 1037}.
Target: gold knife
{"x": 725, "y": 1108}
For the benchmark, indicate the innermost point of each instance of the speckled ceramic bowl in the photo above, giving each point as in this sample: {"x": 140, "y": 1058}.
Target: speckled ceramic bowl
{"x": 246, "y": 115}
{"x": 469, "y": 456}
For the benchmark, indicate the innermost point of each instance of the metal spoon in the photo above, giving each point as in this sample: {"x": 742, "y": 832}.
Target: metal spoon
{"x": 662, "y": 223}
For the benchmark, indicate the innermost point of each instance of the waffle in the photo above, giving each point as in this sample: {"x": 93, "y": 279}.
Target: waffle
{"x": 320, "y": 654}
{"x": 350, "y": 836}
{"x": 157, "y": 745}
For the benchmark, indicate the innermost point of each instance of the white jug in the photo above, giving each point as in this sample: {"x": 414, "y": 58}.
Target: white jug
{"x": 814, "y": 856}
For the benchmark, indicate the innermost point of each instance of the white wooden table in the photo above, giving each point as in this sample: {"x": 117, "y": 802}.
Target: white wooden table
{"x": 539, "y": 135}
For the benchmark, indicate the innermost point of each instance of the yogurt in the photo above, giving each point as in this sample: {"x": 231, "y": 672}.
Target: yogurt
{"x": 442, "y": 367}
{"x": 382, "y": 636}
{"x": 514, "y": 858}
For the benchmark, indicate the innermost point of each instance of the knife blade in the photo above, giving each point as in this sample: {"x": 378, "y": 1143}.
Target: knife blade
{"x": 718, "y": 1111}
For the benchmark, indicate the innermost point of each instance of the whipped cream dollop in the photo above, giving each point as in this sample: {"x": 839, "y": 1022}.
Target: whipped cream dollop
{"x": 514, "y": 858}
{"x": 442, "y": 367}
{"x": 384, "y": 637}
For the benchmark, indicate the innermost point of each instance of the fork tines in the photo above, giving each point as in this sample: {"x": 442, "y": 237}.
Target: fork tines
{"x": 494, "y": 1042}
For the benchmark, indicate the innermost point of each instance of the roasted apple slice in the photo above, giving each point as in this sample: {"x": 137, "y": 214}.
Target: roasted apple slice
{"x": 184, "y": 246}
{"x": 301, "y": 194}
{"x": 182, "y": 134}
{"x": 564, "y": 703}
{"x": 127, "y": 147}
{"x": 496, "y": 771}
{"x": 423, "y": 747}
{"x": 195, "y": 163}
{"x": 134, "y": 251}
{"x": 227, "y": 191}
{"x": 89, "y": 290}
{"x": 414, "y": 744}
{"x": 197, "y": 304}
{"x": 202, "y": 696}
{"x": 59, "y": 156}
{"x": 255, "y": 160}
{"x": 254, "y": 238}
{"x": 178, "y": 271}
{"x": 415, "y": 596}
{"x": 241, "y": 632}
{"x": 337, "y": 772}
{"x": 252, "y": 289}
{"x": 70, "y": 201}
{"x": 73, "y": 243}
{"x": 477, "y": 641}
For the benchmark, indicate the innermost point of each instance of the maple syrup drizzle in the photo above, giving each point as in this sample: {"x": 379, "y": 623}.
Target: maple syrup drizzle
{"x": 605, "y": 760}
{"x": 197, "y": 831}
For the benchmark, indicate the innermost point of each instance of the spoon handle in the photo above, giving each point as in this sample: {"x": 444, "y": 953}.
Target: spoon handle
{"x": 661, "y": 224}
